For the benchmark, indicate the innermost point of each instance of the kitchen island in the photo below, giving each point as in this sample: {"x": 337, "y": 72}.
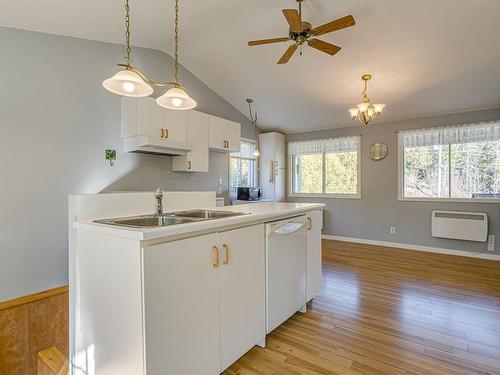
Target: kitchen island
{"x": 179, "y": 299}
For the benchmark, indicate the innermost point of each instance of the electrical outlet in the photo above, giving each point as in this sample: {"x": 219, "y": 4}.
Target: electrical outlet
{"x": 491, "y": 242}
{"x": 392, "y": 230}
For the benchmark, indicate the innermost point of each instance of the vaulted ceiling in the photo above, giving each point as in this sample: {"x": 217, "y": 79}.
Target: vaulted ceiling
{"x": 427, "y": 57}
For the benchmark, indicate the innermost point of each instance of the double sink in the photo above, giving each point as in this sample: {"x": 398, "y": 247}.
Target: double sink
{"x": 170, "y": 218}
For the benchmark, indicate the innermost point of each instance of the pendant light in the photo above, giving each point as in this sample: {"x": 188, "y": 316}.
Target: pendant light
{"x": 177, "y": 97}
{"x": 127, "y": 82}
{"x": 253, "y": 118}
{"x": 130, "y": 81}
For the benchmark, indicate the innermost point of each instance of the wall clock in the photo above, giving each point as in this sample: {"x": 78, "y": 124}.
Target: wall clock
{"x": 377, "y": 151}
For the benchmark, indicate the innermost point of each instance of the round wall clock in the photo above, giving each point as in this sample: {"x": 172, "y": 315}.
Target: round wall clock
{"x": 377, "y": 151}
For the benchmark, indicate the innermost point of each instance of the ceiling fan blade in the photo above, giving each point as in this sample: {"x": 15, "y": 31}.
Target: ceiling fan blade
{"x": 288, "y": 54}
{"x": 266, "y": 41}
{"x": 293, "y": 18}
{"x": 339, "y": 24}
{"x": 329, "y": 48}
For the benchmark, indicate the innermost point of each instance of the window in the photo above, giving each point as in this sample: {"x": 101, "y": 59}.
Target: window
{"x": 454, "y": 162}
{"x": 325, "y": 167}
{"x": 242, "y": 167}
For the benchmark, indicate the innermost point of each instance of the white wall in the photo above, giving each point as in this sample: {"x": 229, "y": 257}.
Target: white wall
{"x": 56, "y": 120}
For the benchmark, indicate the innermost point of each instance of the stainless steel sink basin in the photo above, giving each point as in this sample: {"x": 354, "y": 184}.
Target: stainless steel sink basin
{"x": 146, "y": 221}
{"x": 207, "y": 214}
{"x": 171, "y": 218}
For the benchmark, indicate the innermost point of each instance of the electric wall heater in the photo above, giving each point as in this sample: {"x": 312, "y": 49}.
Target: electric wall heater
{"x": 470, "y": 226}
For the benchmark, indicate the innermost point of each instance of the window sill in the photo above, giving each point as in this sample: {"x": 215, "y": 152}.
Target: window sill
{"x": 449, "y": 200}
{"x": 326, "y": 196}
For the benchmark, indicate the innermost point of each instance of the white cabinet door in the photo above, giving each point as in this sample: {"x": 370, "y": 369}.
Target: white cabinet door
{"x": 141, "y": 116}
{"x": 176, "y": 124}
{"x": 242, "y": 293}
{"x": 233, "y": 134}
{"x": 279, "y": 150}
{"x": 181, "y": 298}
{"x": 224, "y": 135}
{"x": 314, "y": 262}
{"x": 197, "y": 136}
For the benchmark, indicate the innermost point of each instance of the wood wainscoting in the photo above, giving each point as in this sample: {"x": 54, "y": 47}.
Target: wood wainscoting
{"x": 29, "y": 325}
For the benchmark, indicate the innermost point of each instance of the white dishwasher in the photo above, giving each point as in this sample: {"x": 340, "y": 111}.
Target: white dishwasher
{"x": 286, "y": 257}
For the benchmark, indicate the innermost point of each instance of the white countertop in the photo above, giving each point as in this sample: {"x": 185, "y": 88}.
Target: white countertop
{"x": 259, "y": 212}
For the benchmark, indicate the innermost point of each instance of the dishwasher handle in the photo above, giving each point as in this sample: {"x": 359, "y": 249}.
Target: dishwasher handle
{"x": 289, "y": 228}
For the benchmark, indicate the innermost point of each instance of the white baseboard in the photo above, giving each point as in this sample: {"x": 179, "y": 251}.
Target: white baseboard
{"x": 414, "y": 247}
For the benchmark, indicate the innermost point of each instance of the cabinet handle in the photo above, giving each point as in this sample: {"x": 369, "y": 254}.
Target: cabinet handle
{"x": 309, "y": 223}
{"x": 189, "y": 165}
{"x": 163, "y": 133}
{"x": 226, "y": 144}
{"x": 225, "y": 250}
{"x": 215, "y": 256}
{"x": 271, "y": 171}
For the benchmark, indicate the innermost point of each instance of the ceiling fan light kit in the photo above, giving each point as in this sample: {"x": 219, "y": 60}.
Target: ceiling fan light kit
{"x": 131, "y": 81}
{"x": 302, "y": 32}
{"x": 364, "y": 111}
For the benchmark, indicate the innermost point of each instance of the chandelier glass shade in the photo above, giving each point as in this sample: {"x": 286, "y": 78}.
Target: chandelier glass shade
{"x": 127, "y": 83}
{"x": 364, "y": 111}
{"x": 132, "y": 82}
{"x": 176, "y": 98}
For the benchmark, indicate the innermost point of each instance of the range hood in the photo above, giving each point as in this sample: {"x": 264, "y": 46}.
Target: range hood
{"x": 148, "y": 145}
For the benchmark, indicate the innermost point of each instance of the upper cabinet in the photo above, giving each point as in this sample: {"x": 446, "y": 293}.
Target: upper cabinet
{"x": 197, "y": 136}
{"x": 224, "y": 135}
{"x": 176, "y": 125}
{"x": 149, "y": 128}
{"x": 143, "y": 117}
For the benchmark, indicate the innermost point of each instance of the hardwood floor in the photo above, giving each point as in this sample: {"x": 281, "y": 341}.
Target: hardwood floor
{"x": 390, "y": 311}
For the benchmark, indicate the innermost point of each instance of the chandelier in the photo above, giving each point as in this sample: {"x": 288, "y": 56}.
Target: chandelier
{"x": 366, "y": 112}
{"x": 130, "y": 81}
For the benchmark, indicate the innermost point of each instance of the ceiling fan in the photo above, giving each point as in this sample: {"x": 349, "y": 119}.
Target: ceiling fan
{"x": 302, "y": 32}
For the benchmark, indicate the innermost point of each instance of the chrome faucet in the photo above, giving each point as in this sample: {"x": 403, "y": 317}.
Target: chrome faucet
{"x": 159, "y": 202}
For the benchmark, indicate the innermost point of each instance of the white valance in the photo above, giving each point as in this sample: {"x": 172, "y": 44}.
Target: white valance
{"x": 319, "y": 146}
{"x": 478, "y": 132}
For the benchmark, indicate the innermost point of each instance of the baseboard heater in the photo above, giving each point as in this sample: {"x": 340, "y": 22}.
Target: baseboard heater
{"x": 469, "y": 226}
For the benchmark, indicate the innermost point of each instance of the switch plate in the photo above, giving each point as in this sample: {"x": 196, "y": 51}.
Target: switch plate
{"x": 491, "y": 242}
{"x": 392, "y": 230}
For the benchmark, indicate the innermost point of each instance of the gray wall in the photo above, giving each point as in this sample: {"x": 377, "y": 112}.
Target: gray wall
{"x": 371, "y": 217}
{"x": 56, "y": 121}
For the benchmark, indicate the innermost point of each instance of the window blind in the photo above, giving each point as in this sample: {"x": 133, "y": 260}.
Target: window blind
{"x": 468, "y": 133}
{"x": 319, "y": 146}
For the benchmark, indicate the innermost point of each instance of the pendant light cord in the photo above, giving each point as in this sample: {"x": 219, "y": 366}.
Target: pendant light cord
{"x": 176, "y": 52}
{"x": 366, "y": 99}
{"x": 127, "y": 32}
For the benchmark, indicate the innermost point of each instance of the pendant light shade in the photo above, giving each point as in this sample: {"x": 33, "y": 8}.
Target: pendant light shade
{"x": 127, "y": 83}
{"x": 176, "y": 98}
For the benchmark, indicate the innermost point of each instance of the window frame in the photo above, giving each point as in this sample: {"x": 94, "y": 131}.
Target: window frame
{"x": 291, "y": 175}
{"x": 256, "y": 168}
{"x": 402, "y": 198}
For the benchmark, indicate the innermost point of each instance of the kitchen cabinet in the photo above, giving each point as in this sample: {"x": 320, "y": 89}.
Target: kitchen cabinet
{"x": 224, "y": 135}
{"x": 314, "y": 260}
{"x": 175, "y": 125}
{"x": 181, "y": 300}
{"x": 242, "y": 298}
{"x": 272, "y": 149}
{"x": 143, "y": 117}
{"x": 197, "y": 136}
{"x": 204, "y": 301}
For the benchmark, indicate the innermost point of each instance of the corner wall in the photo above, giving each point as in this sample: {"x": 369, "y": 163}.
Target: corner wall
{"x": 56, "y": 121}
{"x": 370, "y": 217}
